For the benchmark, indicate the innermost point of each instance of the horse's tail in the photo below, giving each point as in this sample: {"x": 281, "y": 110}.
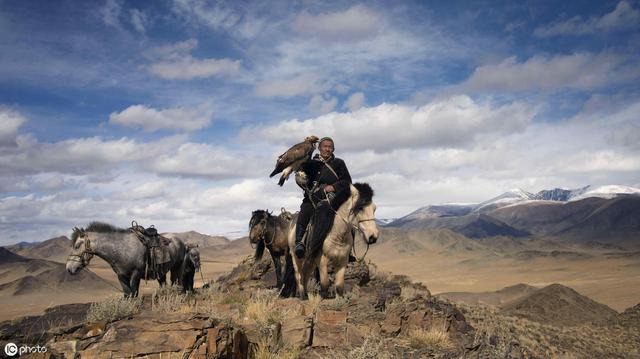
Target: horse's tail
{"x": 259, "y": 250}
{"x": 289, "y": 279}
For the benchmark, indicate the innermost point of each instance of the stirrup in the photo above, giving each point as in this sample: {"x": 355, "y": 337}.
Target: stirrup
{"x": 299, "y": 250}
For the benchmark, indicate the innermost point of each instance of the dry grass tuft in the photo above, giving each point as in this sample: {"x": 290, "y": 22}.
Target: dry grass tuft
{"x": 113, "y": 309}
{"x": 262, "y": 351}
{"x": 314, "y": 302}
{"x": 436, "y": 339}
{"x": 169, "y": 300}
{"x": 373, "y": 347}
{"x": 263, "y": 309}
{"x": 376, "y": 273}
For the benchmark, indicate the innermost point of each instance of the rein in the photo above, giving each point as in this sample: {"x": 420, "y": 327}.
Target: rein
{"x": 264, "y": 233}
{"x": 86, "y": 255}
{"x": 357, "y": 228}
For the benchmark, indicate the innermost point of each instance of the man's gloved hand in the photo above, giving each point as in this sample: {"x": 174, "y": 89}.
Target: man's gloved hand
{"x": 321, "y": 195}
{"x": 301, "y": 179}
{"x": 331, "y": 196}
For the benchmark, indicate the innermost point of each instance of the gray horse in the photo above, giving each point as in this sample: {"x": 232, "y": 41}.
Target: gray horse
{"x": 271, "y": 232}
{"x": 124, "y": 252}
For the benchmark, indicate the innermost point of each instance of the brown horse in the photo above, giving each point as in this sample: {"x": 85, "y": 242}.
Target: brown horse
{"x": 269, "y": 231}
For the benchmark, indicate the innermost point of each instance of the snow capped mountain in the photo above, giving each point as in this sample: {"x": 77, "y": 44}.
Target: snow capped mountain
{"x": 556, "y": 194}
{"x": 512, "y": 198}
{"x": 443, "y": 210}
{"x": 384, "y": 221}
{"x": 509, "y": 197}
{"x": 435, "y": 211}
{"x": 609, "y": 191}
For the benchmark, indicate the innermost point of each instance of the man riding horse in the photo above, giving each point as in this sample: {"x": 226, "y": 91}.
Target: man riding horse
{"x": 326, "y": 181}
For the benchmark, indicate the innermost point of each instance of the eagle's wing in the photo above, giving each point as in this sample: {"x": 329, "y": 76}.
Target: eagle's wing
{"x": 295, "y": 153}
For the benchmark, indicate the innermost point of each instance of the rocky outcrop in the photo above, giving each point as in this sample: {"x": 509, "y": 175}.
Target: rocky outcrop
{"x": 377, "y": 315}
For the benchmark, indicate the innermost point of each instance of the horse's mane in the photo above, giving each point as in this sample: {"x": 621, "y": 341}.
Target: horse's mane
{"x": 365, "y": 197}
{"x": 99, "y": 227}
{"x": 258, "y": 213}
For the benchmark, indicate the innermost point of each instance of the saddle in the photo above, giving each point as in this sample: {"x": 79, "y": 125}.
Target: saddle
{"x": 157, "y": 252}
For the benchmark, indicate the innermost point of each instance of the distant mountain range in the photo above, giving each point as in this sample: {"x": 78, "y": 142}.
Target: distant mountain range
{"x": 54, "y": 249}
{"x": 587, "y": 211}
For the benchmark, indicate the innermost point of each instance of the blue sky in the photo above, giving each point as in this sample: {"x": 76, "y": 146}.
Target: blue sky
{"x": 173, "y": 112}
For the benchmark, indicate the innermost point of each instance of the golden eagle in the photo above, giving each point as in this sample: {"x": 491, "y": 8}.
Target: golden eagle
{"x": 293, "y": 158}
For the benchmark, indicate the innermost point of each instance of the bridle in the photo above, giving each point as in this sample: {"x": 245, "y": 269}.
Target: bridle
{"x": 87, "y": 252}
{"x": 263, "y": 234}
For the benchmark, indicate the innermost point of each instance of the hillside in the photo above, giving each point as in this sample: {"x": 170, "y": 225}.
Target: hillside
{"x": 560, "y": 305}
{"x": 202, "y": 240}
{"x": 53, "y": 278}
{"x": 496, "y": 298}
{"x": 381, "y": 316}
{"x": 54, "y": 249}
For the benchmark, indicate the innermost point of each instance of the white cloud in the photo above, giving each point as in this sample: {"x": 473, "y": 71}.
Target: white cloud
{"x": 319, "y": 105}
{"x": 188, "y": 68}
{"x": 624, "y": 16}
{"x": 139, "y": 20}
{"x": 216, "y": 16}
{"x": 79, "y": 156}
{"x": 583, "y": 71}
{"x": 202, "y": 160}
{"x": 454, "y": 122}
{"x": 355, "y": 23}
{"x": 303, "y": 84}
{"x": 150, "y": 119}
{"x": 174, "y": 62}
{"x": 111, "y": 13}
{"x": 172, "y": 51}
{"x": 10, "y": 122}
{"x": 355, "y": 101}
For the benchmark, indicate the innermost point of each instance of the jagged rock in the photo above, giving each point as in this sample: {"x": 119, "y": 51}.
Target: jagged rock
{"x": 357, "y": 273}
{"x": 225, "y": 341}
{"x": 150, "y": 334}
{"x": 36, "y": 329}
{"x": 390, "y": 291}
{"x": 297, "y": 331}
{"x": 66, "y": 348}
{"x": 331, "y": 327}
{"x": 393, "y": 321}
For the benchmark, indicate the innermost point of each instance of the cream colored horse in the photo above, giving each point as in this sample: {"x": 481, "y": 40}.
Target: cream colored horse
{"x": 358, "y": 213}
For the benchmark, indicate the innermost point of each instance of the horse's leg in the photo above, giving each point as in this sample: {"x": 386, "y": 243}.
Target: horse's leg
{"x": 323, "y": 267}
{"x": 297, "y": 266}
{"x": 124, "y": 283}
{"x": 134, "y": 283}
{"x": 174, "y": 277}
{"x": 162, "y": 279}
{"x": 190, "y": 284}
{"x": 278, "y": 267}
{"x": 342, "y": 267}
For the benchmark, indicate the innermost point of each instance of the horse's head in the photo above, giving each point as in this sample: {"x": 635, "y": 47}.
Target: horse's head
{"x": 364, "y": 210}
{"x": 258, "y": 225}
{"x": 81, "y": 252}
{"x": 193, "y": 255}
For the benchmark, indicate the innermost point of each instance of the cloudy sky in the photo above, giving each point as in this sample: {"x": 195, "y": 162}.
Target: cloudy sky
{"x": 172, "y": 112}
